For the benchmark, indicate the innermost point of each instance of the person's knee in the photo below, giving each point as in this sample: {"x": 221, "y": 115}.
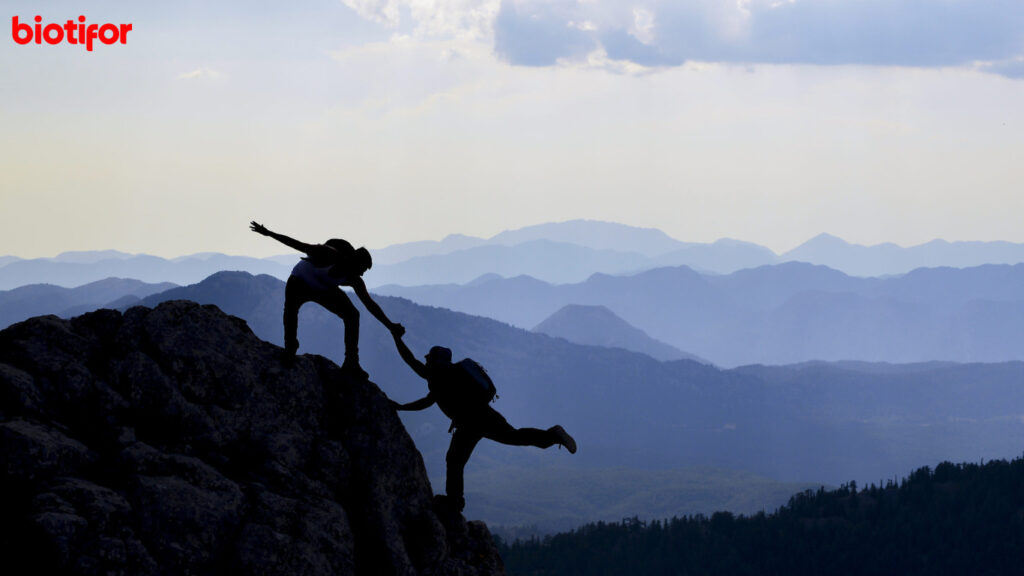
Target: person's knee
{"x": 347, "y": 311}
{"x": 455, "y": 460}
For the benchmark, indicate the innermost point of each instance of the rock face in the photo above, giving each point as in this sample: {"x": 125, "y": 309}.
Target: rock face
{"x": 173, "y": 441}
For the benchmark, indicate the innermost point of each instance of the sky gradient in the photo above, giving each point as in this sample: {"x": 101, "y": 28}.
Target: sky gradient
{"x": 392, "y": 121}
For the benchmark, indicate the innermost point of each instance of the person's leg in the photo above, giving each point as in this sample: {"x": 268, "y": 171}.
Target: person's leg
{"x": 499, "y": 430}
{"x": 463, "y": 442}
{"x": 337, "y": 302}
{"x": 296, "y": 293}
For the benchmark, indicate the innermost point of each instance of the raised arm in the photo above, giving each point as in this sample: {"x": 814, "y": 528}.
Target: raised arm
{"x": 289, "y": 242}
{"x": 359, "y": 287}
{"x": 418, "y": 367}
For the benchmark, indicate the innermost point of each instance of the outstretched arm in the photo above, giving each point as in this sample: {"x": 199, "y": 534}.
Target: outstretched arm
{"x": 425, "y": 402}
{"x": 289, "y": 242}
{"x": 359, "y": 287}
{"x": 418, "y": 367}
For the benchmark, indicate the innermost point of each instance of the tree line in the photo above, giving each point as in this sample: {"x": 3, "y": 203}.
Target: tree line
{"x": 953, "y": 519}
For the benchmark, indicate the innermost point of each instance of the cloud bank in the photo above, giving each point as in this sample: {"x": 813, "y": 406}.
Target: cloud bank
{"x": 987, "y": 35}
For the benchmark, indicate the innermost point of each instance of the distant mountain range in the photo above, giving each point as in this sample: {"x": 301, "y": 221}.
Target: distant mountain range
{"x": 40, "y": 299}
{"x": 563, "y": 252}
{"x": 811, "y": 422}
{"x": 889, "y": 259}
{"x": 779, "y": 314}
{"x": 73, "y": 269}
{"x": 816, "y": 422}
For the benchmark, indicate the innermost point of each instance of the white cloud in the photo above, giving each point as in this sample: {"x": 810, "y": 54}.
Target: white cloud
{"x": 384, "y": 12}
{"x": 200, "y": 73}
{"x": 586, "y": 25}
{"x": 459, "y": 19}
{"x": 643, "y": 25}
{"x": 599, "y": 60}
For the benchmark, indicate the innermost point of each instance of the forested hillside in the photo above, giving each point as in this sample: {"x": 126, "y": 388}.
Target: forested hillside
{"x": 955, "y": 519}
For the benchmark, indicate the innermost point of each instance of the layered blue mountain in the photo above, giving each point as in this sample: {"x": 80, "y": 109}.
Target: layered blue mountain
{"x": 599, "y": 326}
{"x": 41, "y": 299}
{"x": 888, "y": 259}
{"x": 770, "y": 315}
{"x": 781, "y": 314}
{"x": 598, "y": 235}
{"x": 812, "y": 422}
{"x": 77, "y": 268}
{"x": 557, "y": 262}
{"x": 561, "y": 252}
{"x": 400, "y": 252}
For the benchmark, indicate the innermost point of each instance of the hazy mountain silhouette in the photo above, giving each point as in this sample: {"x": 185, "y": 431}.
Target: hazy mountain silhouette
{"x": 791, "y": 312}
{"x": 818, "y": 422}
{"x": 599, "y": 326}
{"x": 557, "y": 262}
{"x": 90, "y": 256}
{"x": 576, "y": 249}
{"x": 173, "y": 441}
{"x": 722, "y": 256}
{"x": 887, "y": 259}
{"x": 400, "y": 252}
{"x": 597, "y": 235}
{"x": 77, "y": 268}
{"x": 781, "y": 314}
{"x": 591, "y": 234}
{"x": 40, "y": 299}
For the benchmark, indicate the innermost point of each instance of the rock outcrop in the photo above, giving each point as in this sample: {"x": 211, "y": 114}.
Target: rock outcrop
{"x": 173, "y": 441}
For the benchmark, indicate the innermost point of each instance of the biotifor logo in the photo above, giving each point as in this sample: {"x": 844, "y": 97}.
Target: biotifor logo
{"x": 71, "y": 32}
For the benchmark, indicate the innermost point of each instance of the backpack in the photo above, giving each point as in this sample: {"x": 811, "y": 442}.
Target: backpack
{"x": 343, "y": 252}
{"x": 473, "y": 383}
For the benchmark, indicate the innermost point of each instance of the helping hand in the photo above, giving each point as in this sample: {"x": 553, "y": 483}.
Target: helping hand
{"x": 397, "y": 330}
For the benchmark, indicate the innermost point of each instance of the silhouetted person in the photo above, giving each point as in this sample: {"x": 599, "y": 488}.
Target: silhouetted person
{"x": 471, "y": 420}
{"x": 317, "y": 278}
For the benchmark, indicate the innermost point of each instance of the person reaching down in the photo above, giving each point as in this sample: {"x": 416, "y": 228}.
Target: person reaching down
{"x": 318, "y": 277}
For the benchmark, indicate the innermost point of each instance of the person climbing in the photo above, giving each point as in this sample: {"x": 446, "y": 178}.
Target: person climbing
{"x": 317, "y": 278}
{"x": 471, "y": 414}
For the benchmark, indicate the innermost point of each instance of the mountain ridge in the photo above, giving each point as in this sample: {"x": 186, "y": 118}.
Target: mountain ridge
{"x": 599, "y": 326}
{"x": 606, "y": 245}
{"x": 780, "y": 314}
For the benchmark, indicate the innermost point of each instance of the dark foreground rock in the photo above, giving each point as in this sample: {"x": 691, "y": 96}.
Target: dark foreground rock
{"x": 173, "y": 441}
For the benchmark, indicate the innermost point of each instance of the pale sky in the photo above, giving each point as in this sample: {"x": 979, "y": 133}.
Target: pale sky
{"x": 386, "y": 121}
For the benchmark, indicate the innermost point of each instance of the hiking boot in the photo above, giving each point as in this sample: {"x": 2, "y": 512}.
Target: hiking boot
{"x": 353, "y": 369}
{"x": 563, "y": 438}
{"x": 449, "y": 504}
{"x": 288, "y": 355}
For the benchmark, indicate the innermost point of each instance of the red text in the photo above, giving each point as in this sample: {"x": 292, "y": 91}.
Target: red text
{"x": 71, "y": 32}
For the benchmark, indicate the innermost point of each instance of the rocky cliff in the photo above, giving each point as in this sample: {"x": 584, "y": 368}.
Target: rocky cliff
{"x": 173, "y": 441}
